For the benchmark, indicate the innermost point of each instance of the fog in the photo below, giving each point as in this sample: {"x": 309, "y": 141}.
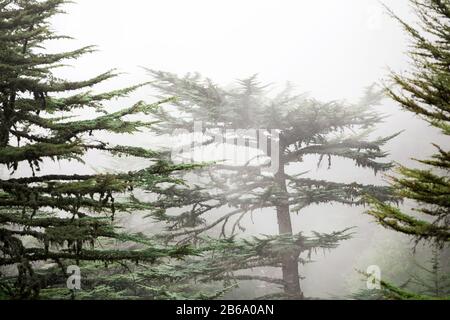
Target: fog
{"x": 330, "y": 49}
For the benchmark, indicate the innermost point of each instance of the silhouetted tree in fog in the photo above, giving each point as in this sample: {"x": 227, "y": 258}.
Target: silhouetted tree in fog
{"x": 294, "y": 127}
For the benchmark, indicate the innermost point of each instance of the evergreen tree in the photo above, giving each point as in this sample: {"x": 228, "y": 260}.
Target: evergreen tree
{"x": 425, "y": 91}
{"x": 69, "y": 219}
{"x": 300, "y": 127}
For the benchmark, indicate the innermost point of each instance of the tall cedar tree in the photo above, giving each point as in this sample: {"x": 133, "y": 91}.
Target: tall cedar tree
{"x": 59, "y": 218}
{"x": 306, "y": 127}
{"x": 425, "y": 91}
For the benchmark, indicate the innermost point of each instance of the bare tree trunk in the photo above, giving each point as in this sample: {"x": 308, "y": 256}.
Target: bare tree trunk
{"x": 291, "y": 275}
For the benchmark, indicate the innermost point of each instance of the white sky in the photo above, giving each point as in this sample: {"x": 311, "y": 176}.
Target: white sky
{"x": 329, "y": 48}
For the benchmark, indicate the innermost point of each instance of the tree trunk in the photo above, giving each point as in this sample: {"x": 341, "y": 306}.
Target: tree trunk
{"x": 291, "y": 275}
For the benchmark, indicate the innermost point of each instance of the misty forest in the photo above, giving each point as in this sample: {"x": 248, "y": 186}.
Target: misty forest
{"x": 195, "y": 150}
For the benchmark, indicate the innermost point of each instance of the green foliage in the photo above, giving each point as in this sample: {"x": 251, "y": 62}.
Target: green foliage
{"x": 425, "y": 91}
{"x": 65, "y": 219}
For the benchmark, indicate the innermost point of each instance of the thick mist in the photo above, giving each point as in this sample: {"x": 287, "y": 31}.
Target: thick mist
{"x": 330, "y": 49}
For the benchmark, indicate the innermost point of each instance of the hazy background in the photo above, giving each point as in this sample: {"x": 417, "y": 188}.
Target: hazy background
{"x": 331, "y": 49}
